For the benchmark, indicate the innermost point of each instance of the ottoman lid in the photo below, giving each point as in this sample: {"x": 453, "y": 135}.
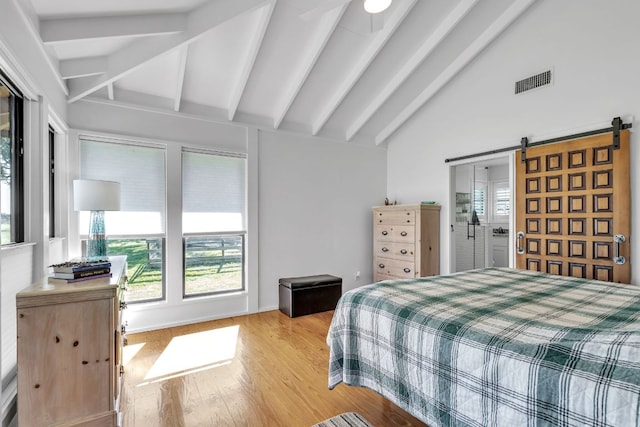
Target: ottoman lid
{"x": 310, "y": 281}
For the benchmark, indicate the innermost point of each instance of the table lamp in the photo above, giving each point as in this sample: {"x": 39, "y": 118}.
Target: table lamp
{"x": 96, "y": 197}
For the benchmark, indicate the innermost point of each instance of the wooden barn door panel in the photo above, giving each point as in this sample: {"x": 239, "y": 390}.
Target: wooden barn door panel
{"x": 572, "y": 199}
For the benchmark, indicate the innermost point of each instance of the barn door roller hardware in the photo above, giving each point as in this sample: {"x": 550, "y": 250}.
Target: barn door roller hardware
{"x": 617, "y": 125}
{"x": 524, "y": 142}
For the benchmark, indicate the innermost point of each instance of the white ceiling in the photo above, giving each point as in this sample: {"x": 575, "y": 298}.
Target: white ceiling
{"x": 318, "y": 67}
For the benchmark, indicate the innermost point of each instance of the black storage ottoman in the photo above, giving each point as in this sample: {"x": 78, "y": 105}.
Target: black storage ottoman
{"x": 310, "y": 294}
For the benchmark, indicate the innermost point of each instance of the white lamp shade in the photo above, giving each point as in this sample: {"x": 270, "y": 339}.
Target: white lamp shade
{"x": 92, "y": 195}
{"x": 376, "y": 6}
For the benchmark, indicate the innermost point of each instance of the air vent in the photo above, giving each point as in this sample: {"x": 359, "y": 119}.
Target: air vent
{"x": 533, "y": 82}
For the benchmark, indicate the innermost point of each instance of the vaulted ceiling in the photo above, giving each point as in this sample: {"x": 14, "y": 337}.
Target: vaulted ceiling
{"x": 317, "y": 67}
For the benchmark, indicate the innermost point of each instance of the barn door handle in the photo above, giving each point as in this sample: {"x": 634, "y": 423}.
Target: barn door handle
{"x": 519, "y": 237}
{"x": 618, "y": 239}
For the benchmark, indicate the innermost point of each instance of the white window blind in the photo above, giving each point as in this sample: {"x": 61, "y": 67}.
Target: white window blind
{"x": 501, "y": 199}
{"x": 480, "y": 199}
{"x": 140, "y": 170}
{"x": 213, "y": 192}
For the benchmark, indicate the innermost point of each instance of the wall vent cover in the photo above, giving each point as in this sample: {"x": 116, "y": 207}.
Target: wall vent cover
{"x": 533, "y": 82}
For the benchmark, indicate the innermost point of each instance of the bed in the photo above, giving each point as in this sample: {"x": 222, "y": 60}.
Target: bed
{"x": 494, "y": 347}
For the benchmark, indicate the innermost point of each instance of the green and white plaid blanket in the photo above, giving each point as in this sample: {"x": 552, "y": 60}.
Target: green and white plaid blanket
{"x": 494, "y": 347}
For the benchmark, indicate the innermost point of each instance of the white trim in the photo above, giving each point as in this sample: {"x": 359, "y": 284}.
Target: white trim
{"x": 36, "y": 37}
{"x": 508, "y": 156}
{"x": 18, "y": 75}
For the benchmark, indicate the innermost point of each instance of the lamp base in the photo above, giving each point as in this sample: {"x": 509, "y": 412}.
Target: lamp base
{"x": 97, "y": 242}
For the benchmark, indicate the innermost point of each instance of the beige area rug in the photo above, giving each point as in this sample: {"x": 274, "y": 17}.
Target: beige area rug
{"x": 348, "y": 419}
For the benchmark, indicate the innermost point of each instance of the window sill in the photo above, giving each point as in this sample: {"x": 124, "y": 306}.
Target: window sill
{"x": 16, "y": 246}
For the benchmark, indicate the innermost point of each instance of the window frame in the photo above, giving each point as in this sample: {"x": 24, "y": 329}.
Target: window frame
{"x": 52, "y": 181}
{"x": 242, "y": 233}
{"x": 17, "y": 162}
{"x": 136, "y": 236}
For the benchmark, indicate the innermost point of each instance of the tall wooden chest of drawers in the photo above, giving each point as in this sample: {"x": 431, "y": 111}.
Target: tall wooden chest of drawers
{"x": 406, "y": 241}
{"x": 69, "y": 351}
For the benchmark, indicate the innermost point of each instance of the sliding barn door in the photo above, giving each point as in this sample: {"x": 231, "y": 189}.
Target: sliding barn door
{"x": 573, "y": 210}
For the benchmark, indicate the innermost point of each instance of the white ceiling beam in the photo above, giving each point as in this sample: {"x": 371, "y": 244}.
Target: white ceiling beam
{"x": 30, "y": 20}
{"x": 252, "y": 54}
{"x": 83, "y": 67}
{"x": 110, "y": 92}
{"x": 439, "y": 34}
{"x": 70, "y": 29}
{"x": 182, "y": 68}
{"x": 480, "y": 43}
{"x": 317, "y": 9}
{"x": 322, "y": 35}
{"x": 376, "y": 45}
{"x": 145, "y": 49}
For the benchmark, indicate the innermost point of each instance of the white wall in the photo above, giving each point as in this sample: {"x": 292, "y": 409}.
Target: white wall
{"x": 592, "y": 48}
{"x": 315, "y": 210}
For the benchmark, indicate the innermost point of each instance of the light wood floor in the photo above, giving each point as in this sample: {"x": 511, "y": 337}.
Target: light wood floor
{"x": 258, "y": 370}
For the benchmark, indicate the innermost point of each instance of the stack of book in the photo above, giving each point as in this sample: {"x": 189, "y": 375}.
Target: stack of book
{"x": 79, "y": 270}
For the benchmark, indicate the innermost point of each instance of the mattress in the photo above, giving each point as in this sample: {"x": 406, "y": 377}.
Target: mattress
{"x": 494, "y": 347}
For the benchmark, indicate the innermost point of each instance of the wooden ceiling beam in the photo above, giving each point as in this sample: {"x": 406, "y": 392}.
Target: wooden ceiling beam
{"x": 439, "y": 34}
{"x": 323, "y": 33}
{"x": 182, "y": 68}
{"x": 83, "y": 67}
{"x": 72, "y": 29}
{"x": 145, "y": 49}
{"x": 478, "y": 45}
{"x": 379, "y": 40}
{"x": 256, "y": 43}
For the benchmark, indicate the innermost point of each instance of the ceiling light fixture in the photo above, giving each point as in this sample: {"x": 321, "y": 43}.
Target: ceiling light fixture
{"x": 376, "y": 6}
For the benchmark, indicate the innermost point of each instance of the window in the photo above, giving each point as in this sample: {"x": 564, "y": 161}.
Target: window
{"x": 480, "y": 200}
{"x": 52, "y": 187}
{"x": 11, "y": 164}
{"x": 138, "y": 229}
{"x": 213, "y": 222}
{"x": 501, "y": 200}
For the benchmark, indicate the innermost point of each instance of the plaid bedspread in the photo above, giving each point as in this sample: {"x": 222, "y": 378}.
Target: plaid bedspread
{"x": 494, "y": 347}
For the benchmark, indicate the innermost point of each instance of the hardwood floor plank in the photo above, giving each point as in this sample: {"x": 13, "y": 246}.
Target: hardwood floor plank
{"x": 263, "y": 369}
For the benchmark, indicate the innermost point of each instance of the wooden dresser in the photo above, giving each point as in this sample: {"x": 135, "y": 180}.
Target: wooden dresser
{"x": 70, "y": 351}
{"x": 406, "y": 241}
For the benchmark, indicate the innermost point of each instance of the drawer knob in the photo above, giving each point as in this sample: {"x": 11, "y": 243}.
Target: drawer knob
{"x": 403, "y": 234}
{"x": 123, "y": 305}
{"x": 385, "y": 232}
{"x": 403, "y": 251}
{"x": 381, "y": 265}
{"x": 385, "y": 250}
{"x": 407, "y": 270}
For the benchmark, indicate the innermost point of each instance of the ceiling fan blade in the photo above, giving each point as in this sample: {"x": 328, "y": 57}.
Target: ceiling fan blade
{"x": 320, "y": 9}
